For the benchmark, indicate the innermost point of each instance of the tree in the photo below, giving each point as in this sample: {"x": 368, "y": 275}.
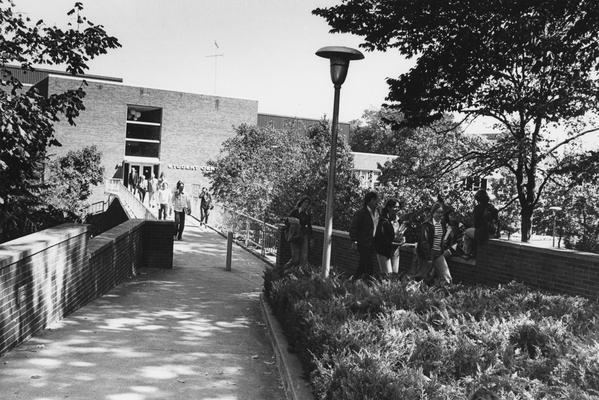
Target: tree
{"x": 529, "y": 65}
{"x": 265, "y": 171}
{"x": 378, "y": 131}
{"x": 27, "y": 116}
{"x": 70, "y": 178}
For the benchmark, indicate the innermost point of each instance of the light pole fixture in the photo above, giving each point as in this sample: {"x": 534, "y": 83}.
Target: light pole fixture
{"x": 555, "y": 209}
{"x": 340, "y": 58}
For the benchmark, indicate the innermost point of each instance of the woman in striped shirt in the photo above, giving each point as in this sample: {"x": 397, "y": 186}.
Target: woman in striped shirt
{"x": 431, "y": 246}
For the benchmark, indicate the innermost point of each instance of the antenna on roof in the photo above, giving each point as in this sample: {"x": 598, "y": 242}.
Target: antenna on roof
{"x": 215, "y": 56}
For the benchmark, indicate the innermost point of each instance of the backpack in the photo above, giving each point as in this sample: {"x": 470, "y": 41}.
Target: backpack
{"x": 491, "y": 216}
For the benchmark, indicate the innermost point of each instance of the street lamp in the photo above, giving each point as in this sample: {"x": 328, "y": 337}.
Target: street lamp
{"x": 340, "y": 58}
{"x": 555, "y": 209}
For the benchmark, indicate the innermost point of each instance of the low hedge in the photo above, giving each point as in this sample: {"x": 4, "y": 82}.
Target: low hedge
{"x": 400, "y": 339}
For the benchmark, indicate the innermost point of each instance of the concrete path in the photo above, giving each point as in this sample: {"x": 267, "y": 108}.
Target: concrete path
{"x": 195, "y": 332}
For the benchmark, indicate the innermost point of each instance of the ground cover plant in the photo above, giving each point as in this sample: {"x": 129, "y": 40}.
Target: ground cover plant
{"x": 400, "y": 339}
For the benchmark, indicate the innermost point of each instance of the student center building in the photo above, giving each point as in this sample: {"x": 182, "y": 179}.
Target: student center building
{"x": 149, "y": 130}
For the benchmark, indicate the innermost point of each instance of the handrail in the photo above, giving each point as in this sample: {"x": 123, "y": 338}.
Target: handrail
{"x": 256, "y": 235}
{"x": 130, "y": 202}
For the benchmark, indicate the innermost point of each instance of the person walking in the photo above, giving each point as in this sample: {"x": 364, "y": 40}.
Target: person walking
{"x": 301, "y": 216}
{"x": 430, "y": 249}
{"x": 132, "y": 181}
{"x": 142, "y": 187}
{"x": 164, "y": 197}
{"x": 361, "y": 233}
{"x": 205, "y": 206}
{"x": 152, "y": 191}
{"x": 388, "y": 237}
{"x": 485, "y": 217}
{"x": 181, "y": 207}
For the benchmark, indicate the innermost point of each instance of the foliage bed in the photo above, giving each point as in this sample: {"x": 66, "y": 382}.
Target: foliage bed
{"x": 399, "y": 339}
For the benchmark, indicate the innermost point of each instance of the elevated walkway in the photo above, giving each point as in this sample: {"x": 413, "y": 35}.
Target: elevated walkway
{"x": 194, "y": 332}
{"x": 132, "y": 205}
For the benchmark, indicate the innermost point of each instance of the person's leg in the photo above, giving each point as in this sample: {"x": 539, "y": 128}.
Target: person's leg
{"x": 206, "y": 215}
{"x": 177, "y": 222}
{"x": 181, "y": 225}
{"x": 201, "y": 216}
{"x": 468, "y": 240}
{"x": 303, "y": 259}
{"x": 363, "y": 261}
{"x": 384, "y": 264}
{"x": 295, "y": 255}
{"x": 395, "y": 261}
{"x": 160, "y": 212}
{"x": 442, "y": 270}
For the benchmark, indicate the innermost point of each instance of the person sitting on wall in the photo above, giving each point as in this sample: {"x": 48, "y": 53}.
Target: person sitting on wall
{"x": 361, "y": 233}
{"x": 485, "y": 224}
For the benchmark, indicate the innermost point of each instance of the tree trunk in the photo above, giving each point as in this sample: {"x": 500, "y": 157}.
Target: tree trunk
{"x": 526, "y": 223}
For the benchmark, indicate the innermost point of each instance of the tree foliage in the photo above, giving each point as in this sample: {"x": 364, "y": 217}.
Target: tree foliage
{"x": 71, "y": 177}
{"x": 378, "y": 131}
{"x": 27, "y": 117}
{"x": 526, "y": 64}
{"x": 265, "y": 171}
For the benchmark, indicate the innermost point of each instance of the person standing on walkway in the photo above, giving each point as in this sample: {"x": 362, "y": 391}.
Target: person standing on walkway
{"x": 181, "y": 207}
{"x": 152, "y": 190}
{"x": 132, "y": 182}
{"x": 388, "y": 237}
{"x": 300, "y": 245}
{"x": 164, "y": 196}
{"x": 205, "y": 206}
{"x": 485, "y": 224}
{"x": 361, "y": 233}
{"x": 142, "y": 187}
{"x": 431, "y": 247}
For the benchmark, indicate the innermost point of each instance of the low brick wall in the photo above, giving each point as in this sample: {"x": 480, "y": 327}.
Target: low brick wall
{"x": 499, "y": 261}
{"x": 49, "y": 274}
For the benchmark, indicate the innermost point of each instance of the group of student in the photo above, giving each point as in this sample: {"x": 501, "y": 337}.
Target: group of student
{"x": 377, "y": 234}
{"x": 177, "y": 202}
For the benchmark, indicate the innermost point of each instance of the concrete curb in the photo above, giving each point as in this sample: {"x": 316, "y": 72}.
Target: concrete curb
{"x": 290, "y": 368}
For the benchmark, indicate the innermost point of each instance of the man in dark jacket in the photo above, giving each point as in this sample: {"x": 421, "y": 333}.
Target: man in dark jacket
{"x": 361, "y": 233}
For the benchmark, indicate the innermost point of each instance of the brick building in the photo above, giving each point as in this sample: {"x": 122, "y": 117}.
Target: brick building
{"x": 149, "y": 130}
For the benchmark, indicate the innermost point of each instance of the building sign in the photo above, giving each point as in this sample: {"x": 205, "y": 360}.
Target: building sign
{"x": 203, "y": 168}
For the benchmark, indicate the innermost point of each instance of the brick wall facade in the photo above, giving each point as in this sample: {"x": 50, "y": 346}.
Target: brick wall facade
{"x": 499, "y": 261}
{"x": 49, "y": 274}
{"x": 193, "y": 125}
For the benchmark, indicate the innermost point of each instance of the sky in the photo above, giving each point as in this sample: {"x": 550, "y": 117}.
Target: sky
{"x": 268, "y": 51}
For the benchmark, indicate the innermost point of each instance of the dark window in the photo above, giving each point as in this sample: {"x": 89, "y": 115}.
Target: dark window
{"x": 146, "y": 132}
{"x": 142, "y": 149}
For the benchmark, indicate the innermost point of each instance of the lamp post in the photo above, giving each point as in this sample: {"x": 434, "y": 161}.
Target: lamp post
{"x": 555, "y": 209}
{"x": 340, "y": 58}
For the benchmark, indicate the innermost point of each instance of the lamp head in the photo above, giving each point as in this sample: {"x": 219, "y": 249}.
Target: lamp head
{"x": 340, "y": 57}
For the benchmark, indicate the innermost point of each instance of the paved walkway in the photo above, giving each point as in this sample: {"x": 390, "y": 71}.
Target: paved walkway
{"x": 195, "y": 332}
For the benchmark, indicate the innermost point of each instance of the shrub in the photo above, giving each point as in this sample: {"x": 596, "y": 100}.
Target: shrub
{"x": 400, "y": 339}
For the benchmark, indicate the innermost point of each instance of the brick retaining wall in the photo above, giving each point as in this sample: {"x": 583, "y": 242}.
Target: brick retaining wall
{"x": 499, "y": 261}
{"x": 49, "y": 274}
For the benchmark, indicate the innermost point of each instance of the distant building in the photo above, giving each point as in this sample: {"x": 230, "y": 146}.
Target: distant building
{"x": 281, "y": 122}
{"x": 366, "y": 167}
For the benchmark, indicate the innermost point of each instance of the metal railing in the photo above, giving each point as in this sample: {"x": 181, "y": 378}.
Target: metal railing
{"x": 130, "y": 202}
{"x": 256, "y": 235}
